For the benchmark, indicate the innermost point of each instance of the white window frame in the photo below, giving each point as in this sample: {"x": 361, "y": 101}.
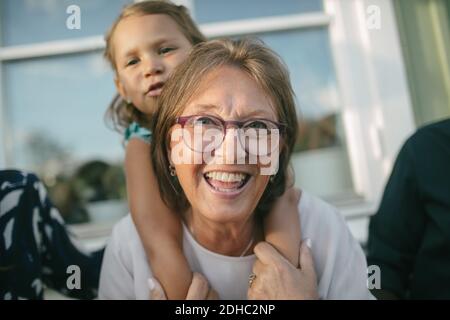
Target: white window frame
{"x": 375, "y": 127}
{"x": 376, "y": 121}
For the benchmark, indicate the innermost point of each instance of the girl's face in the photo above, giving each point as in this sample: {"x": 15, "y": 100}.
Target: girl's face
{"x": 147, "y": 49}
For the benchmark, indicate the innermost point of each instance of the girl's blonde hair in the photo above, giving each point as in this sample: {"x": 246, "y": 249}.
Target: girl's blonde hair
{"x": 120, "y": 113}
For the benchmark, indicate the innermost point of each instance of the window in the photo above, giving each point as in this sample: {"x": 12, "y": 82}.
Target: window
{"x": 31, "y": 21}
{"x": 61, "y": 115}
{"x": 354, "y": 108}
{"x": 207, "y": 11}
{"x": 321, "y": 146}
{"x": 351, "y": 89}
{"x": 298, "y": 32}
{"x": 423, "y": 26}
{"x": 55, "y": 89}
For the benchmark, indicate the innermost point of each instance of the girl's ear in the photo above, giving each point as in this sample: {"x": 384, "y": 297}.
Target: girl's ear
{"x": 120, "y": 88}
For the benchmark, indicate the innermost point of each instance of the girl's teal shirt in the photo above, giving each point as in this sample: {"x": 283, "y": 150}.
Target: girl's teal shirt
{"x": 134, "y": 130}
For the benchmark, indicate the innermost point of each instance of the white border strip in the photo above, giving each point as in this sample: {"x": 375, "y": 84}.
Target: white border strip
{"x": 52, "y": 48}
{"x": 266, "y": 24}
{"x": 211, "y": 30}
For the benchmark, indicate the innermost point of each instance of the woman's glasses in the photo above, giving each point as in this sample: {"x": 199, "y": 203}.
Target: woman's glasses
{"x": 205, "y": 133}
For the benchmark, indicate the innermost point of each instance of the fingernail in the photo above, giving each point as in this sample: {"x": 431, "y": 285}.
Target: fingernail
{"x": 151, "y": 284}
{"x": 308, "y": 243}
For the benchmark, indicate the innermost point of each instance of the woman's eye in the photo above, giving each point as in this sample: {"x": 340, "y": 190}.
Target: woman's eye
{"x": 165, "y": 50}
{"x": 257, "y": 125}
{"x": 132, "y": 62}
{"x": 204, "y": 121}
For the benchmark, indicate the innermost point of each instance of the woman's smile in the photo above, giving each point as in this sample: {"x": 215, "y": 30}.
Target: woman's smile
{"x": 227, "y": 184}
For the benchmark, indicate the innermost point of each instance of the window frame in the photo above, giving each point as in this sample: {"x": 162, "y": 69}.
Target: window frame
{"x": 376, "y": 131}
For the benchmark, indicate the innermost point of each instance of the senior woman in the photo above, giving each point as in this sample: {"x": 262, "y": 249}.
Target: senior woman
{"x": 222, "y": 142}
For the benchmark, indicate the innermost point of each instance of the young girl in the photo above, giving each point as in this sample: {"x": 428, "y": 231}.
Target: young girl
{"x": 144, "y": 45}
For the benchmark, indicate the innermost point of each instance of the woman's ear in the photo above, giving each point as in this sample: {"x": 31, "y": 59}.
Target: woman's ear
{"x": 169, "y": 155}
{"x": 169, "y": 148}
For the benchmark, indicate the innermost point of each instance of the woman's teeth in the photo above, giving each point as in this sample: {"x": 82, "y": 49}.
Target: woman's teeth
{"x": 226, "y": 176}
{"x": 226, "y": 181}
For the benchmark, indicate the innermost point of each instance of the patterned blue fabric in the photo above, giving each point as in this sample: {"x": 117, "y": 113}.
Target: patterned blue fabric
{"x": 134, "y": 130}
{"x": 35, "y": 246}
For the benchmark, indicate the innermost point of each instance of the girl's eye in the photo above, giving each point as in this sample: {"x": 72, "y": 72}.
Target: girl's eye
{"x": 165, "y": 50}
{"x": 132, "y": 62}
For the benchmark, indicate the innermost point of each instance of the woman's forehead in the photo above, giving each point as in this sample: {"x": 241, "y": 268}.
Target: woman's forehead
{"x": 229, "y": 91}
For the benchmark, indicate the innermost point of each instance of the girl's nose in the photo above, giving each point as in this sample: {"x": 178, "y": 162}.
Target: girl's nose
{"x": 153, "y": 66}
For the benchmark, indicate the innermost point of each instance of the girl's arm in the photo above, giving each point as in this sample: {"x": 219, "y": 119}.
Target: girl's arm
{"x": 282, "y": 225}
{"x": 159, "y": 228}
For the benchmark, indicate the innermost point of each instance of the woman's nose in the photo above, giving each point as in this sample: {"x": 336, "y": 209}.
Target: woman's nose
{"x": 230, "y": 151}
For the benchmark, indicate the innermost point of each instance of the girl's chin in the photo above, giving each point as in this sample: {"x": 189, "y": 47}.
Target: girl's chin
{"x": 149, "y": 106}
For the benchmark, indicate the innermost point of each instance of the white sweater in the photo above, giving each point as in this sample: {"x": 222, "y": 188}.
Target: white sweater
{"x": 339, "y": 260}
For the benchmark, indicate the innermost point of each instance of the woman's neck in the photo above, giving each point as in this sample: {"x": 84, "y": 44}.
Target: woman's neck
{"x": 231, "y": 239}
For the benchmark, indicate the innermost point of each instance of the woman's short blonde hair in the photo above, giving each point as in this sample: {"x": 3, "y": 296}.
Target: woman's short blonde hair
{"x": 262, "y": 65}
{"x": 119, "y": 112}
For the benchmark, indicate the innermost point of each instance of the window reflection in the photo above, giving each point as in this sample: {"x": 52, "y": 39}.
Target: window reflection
{"x": 94, "y": 185}
{"x": 55, "y": 108}
{"x": 307, "y": 55}
{"x": 321, "y": 161}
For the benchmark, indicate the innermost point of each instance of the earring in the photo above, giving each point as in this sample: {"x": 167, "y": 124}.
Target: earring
{"x": 172, "y": 171}
{"x": 128, "y": 101}
{"x": 272, "y": 178}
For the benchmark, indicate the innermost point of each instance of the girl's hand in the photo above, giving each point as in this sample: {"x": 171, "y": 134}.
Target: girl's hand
{"x": 277, "y": 279}
{"x": 282, "y": 225}
{"x": 198, "y": 290}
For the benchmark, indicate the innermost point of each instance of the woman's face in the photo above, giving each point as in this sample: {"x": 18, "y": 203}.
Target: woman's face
{"x": 221, "y": 190}
{"x": 147, "y": 49}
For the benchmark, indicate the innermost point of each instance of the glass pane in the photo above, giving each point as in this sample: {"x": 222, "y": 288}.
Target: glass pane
{"x": 422, "y": 26}
{"x": 320, "y": 162}
{"x": 55, "y": 109}
{"x": 219, "y": 10}
{"x": 31, "y": 21}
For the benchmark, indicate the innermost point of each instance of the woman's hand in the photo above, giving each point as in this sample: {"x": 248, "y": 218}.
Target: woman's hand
{"x": 198, "y": 290}
{"x": 277, "y": 279}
